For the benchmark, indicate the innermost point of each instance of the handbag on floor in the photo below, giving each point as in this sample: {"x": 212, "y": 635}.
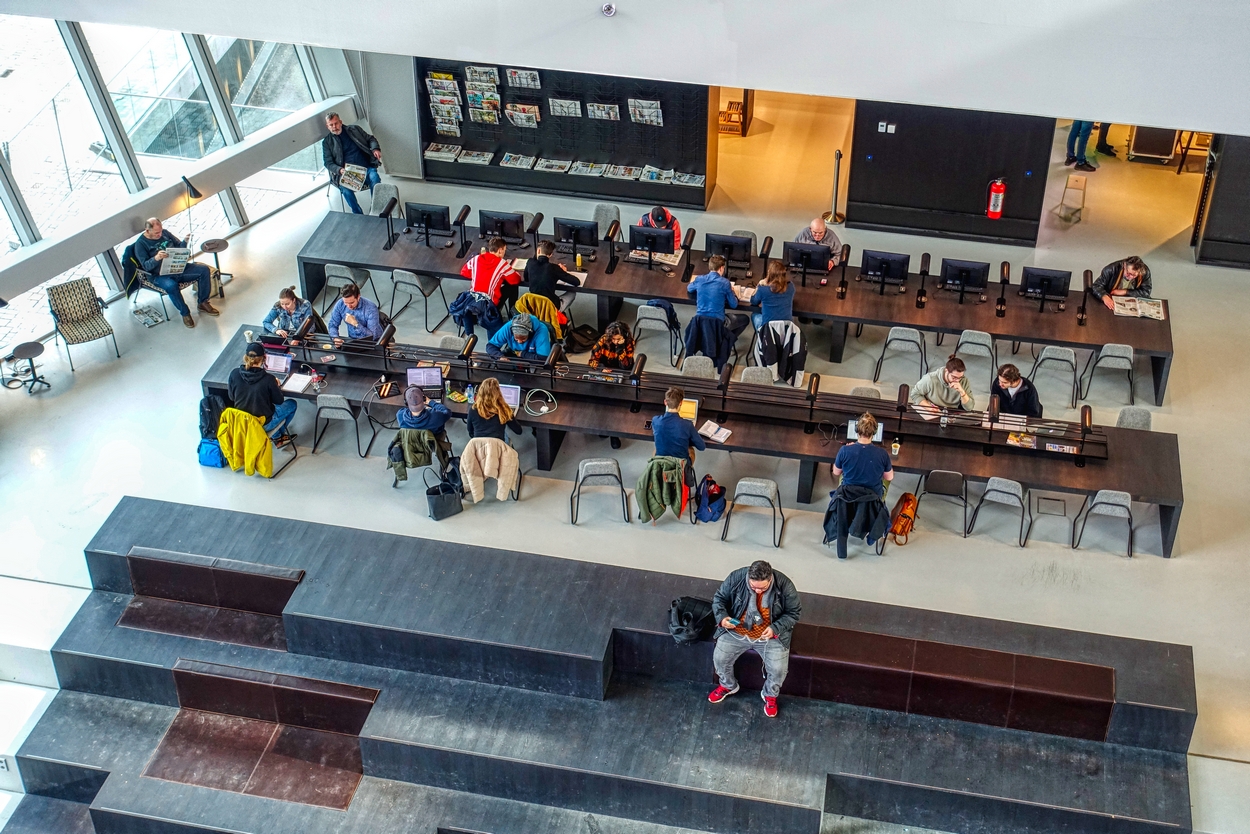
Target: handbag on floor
{"x": 903, "y": 518}
{"x": 443, "y": 498}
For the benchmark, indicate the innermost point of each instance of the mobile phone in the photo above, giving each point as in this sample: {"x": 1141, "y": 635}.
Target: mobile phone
{"x": 647, "y": 425}
{"x": 824, "y": 282}
{"x": 734, "y": 623}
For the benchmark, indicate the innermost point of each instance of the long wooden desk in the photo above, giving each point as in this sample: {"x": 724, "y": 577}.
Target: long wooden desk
{"x": 357, "y": 240}
{"x": 1144, "y": 464}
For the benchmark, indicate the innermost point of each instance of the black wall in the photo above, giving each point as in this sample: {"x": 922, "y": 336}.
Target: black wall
{"x": 1222, "y": 228}
{"x": 932, "y": 175}
{"x": 684, "y": 142}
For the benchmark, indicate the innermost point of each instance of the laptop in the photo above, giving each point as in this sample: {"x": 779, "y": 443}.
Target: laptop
{"x": 279, "y": 364}
{"x": 511, "y": 395}
{"x": 852, "y": 434}
{"x": 429, "y": 380}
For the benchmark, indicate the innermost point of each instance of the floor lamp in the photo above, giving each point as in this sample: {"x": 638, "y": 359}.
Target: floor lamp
{"x": 833, "y": 216}
{"x": 193, "y": 193}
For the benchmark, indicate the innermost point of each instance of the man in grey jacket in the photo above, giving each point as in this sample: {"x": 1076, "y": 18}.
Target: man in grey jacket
{"x": 755, "y": 608}
{"x": 350, "y": 145}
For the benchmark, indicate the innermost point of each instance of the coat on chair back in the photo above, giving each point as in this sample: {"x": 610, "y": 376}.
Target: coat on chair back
{"x": 244, "y": 443}
{"x": 855, "y": 511}
{"x": 782, "y": 349}
{"x": 489, "y": 457}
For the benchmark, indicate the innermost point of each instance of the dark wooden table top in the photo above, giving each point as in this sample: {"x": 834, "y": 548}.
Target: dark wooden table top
{"x": 357, "y": 240}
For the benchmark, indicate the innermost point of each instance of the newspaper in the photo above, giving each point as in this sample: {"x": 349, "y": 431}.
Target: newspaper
{"x": 1142, "y": 308}
{"x": 353, "y": 177}
{"x": 554, "y": 166}
{"x": 476, "y": 157}
{"x": 512, "y": 160}
{"x": 442, "y": 152}
{"x": 175, "y": 262}
{"x": 588, "y": 169}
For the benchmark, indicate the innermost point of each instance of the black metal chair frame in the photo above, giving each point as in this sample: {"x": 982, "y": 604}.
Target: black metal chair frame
{"x": 1092, "y": 364}
{"x": 338, "y": 292}
{"x": 319, "y": 430}
{"x": 962, "y": 496}
{"x": 396, "y": 290}
{"x": 924, "y": 355}
{"x": 1076, "y": 541}
{"x": 777, "y": 534}
{"x": 993, "y": 357}
{"x": 575, "y": 498}
{"x": 1024, "y": 508}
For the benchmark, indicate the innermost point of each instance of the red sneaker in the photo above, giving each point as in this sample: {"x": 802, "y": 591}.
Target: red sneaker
{"x": 770, "y": 707}
{"x": 720, "y": 693}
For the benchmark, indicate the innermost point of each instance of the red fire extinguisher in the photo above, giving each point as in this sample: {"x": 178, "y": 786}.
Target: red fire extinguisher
{"x": 998, "y": 191}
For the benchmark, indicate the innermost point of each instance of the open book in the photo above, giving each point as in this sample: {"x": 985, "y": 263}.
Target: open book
{"x": 1142, "y": 308}
{"x": 715, "y": 433}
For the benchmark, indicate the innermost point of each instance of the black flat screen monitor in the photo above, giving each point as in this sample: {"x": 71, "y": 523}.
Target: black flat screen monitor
{"x": 657, "y": 241}
{"x": 729, "y": 247}
{"x": 889, "y": 267}
{"x": 973, "y": 276}
{"x": 814, "y": 256}
{"x": 422, "y": 216}
{"x": 504, "y": 224}
{"x": 576, "y": 232}
{"x": 1057, "y": 283}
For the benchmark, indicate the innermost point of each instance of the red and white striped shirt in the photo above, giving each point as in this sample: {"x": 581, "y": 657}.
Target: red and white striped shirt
{"x": 488, "y": 273}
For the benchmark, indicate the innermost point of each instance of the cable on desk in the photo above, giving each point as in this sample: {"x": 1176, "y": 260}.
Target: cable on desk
{"x": 827, "y": 436}
{"x": 544, "y": 408}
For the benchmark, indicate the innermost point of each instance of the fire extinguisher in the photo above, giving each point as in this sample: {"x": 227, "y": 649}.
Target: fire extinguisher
{"x": 998, "y": 192}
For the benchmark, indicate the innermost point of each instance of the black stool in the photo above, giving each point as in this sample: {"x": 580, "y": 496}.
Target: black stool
{"x": 28, "y": 351}
{"x": 212, "y": 247}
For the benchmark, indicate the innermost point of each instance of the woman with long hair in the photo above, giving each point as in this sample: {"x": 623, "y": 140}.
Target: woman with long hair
{"x": 615, "y": 349}
{"x": 774, "y": 296}
{"x": 288, "y": 314}
{"x": 489, "y": 415}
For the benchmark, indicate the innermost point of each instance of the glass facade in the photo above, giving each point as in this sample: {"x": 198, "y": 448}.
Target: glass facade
{"x": 263, "y": 81}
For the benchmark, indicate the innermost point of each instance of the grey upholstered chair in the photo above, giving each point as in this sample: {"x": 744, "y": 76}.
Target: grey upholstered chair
{"x": 604, "y": 214}
{"x": 745, "y": 233}
{"x": 700, "y": 367}
{"x": 979, "y": 343}
{"x": 382, "y": 193}
{"x": 1011, "y": 493}
{"x": 1062, "y": 355}
{"x": 866, "y": 391}
{"x": 757, "y": 375}
{"x": 757, "y": 492}
{"x": 413, "y": 284}
{"x": 455, "y": 343}
{"x": 1114, "y": 356}
{"x": 907, "y": 340}
{"x": 597, "y": 472}
{"x": 339, "y": 276}
{"x": 1107, "y": 502}
{"x": 654, "y": 318}
{"x": 1133, "y": 417}
{"x": 950, "y": 484}
{"x": 334, "y": 407}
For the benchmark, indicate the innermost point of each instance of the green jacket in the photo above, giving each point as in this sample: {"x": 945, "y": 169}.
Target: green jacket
{"x": 415, "y": 448}
{"x": 660, "y": 486}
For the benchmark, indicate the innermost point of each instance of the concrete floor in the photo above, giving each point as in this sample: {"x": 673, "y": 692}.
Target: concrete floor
{"x": 129, "y": 426}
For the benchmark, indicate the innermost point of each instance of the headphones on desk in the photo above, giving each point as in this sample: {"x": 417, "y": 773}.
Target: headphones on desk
{"x": 546, "y": 407}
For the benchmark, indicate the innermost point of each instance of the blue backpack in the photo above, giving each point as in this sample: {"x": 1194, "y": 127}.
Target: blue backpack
{"x": 711, "y": 500}
{"x": 210, "y": 453}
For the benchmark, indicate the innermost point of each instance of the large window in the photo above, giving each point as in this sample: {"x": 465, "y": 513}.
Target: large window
{"x": 263, "y": 81}
{"x": 8, "y": 238}
{"x": 28, "y": 318}
{"x": 48, "y": 131}
{"x": 279, "y": 184}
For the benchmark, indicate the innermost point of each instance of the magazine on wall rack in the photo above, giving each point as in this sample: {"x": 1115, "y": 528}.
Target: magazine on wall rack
{"x": 622, "y": 172}
{"x": 652, "y": 174}
{"x": 527, "y": 79}
{"x": 514, "y": 160}
{"x": 438, "y": 87}
{"x": 476, "y": 157}
{"x": 441, "y": 152}
{"x": 447, "y": 127}
{"x": 607, "y": 112}
{"x": 588, "y": 169}
{"x": 689, "y": 179}
{"x": 446, "y": 111}
{"x": 553, "y": 166}
{"x": 565, "y": 107}
{"x": 488, "y": 75}
{"x": 483, "y": 101}
{"x": 645, "y": 111}
{"x": 485, "y": 116}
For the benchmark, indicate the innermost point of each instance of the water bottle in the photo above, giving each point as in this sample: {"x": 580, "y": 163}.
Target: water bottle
{"x": 945, "y": 421}
{"x": 468, "y": 393}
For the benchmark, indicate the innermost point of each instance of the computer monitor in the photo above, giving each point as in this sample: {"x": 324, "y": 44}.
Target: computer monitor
{"x": 584, "y": 233}
{"x": 1057, "y": 282}
{"x": 730, "y": 247}
{"x": 429, "y": 377}
{"x": 647, "y": 239}
{"x": 886, "y": 267}
{"x": 423, "y": 216}
{"x": 504, "y": 224}
{"x": 809, "y": 257}
{"x": 972, "y": 276}
{"x": 511, "y": 395}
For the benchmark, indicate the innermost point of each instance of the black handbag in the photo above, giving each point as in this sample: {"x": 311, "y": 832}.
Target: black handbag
{"x": 443, "y": 498}
{"x": 690, "y": 620}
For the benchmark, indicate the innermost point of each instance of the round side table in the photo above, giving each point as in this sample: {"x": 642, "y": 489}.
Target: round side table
{"x": 212, "y": 247}
{"x": 29, "y": 351}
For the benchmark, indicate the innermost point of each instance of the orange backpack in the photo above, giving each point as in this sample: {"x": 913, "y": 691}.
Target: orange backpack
{"x": 903, "y": 518}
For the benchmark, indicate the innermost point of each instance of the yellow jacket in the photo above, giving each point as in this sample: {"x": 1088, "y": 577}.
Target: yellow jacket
{"x": 244, "y": 443}
{"x": 541, "y": 308}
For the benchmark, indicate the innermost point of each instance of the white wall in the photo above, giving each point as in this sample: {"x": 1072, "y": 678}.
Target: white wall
{"x": 1128, "y": 61}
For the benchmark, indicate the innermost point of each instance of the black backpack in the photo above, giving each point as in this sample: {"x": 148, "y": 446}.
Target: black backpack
{"x": 211, "y": 408}
{"x": 580, "y": 339}
{"x": 690, "y": 620}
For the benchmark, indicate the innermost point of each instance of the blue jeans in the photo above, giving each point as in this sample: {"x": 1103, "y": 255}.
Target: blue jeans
{"x": 371, "y": 179}
{"x": 282, "y": 415}
{"x": 169, "y": 283}
{"x": 730, "y": 646}
{"x": 1078, "y": 137}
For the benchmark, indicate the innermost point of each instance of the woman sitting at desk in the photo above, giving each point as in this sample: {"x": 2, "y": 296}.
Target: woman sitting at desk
{"x": 288, "y": 314}
{"x": 615, "y": 349}
{"x": 489, "y": 415}
{"x": 774, "y": 296}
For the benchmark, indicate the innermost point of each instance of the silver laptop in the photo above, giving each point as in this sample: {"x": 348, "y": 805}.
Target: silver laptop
{"x": 279, "y": 364}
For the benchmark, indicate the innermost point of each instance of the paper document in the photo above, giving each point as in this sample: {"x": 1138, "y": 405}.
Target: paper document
{"x": 519, "y": 264}
{"x": 580, "y": 276}
{"x": 714, "y": 432}
{"x": 176, "y": 262}
{"x": 297, "y": 383}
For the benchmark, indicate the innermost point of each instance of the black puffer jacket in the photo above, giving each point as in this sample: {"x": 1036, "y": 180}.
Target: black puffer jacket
{"x": 855, "y": 511}
{"x": 734, "y": 596}
{"x": 255, "y": 391}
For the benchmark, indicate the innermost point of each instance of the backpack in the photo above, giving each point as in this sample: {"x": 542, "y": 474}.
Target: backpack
{"x": 903, "y": 517}
{"x": 210, "y": 415}
{"x": 581, "y": 339}
{"x": 711, "y": 500}
{"x": 690, "y": 620}
{"x": 210, "y": 454}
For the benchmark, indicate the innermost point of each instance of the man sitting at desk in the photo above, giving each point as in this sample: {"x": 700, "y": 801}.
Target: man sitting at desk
{"x": 422, "y": 414}
{"x": 661, "y": 218}
{"x": 946, "y": 387}
{"x": 713, "y": 293}
{"x": 523, "y": 338}
{"x": 150, "y": 251}
{"x": 543, "y": 276}
{"x": 1016, "y": 395}
{"x": 1130, "y": 277}
{"x": 253, "y": 389}
{"x": 362, "y": 316}
{"x": 675, "y": 436}
{"x": 491, "y": 274}
{"x": 863, "y": 464}
{"x": 818, "y": 231}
